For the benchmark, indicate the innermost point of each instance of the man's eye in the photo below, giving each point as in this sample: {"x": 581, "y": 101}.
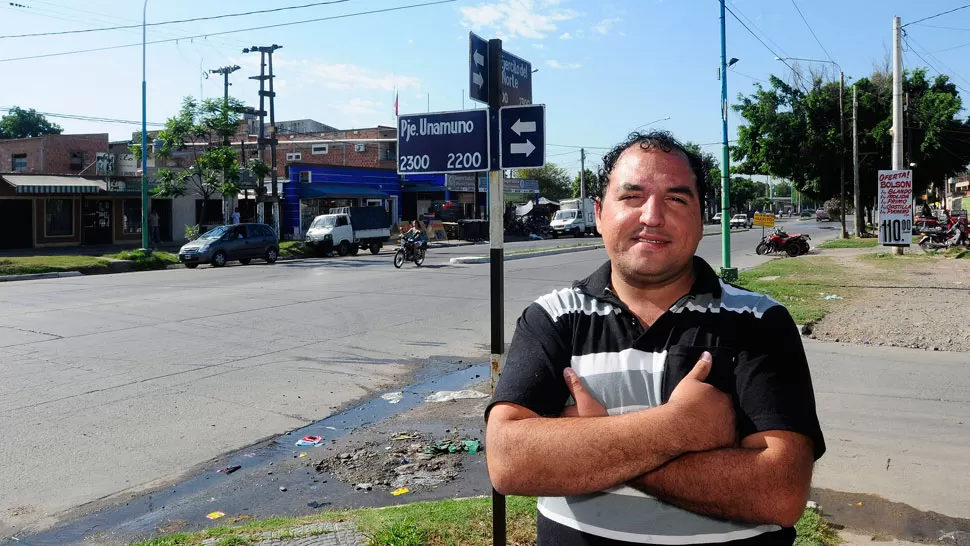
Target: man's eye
{"x": 679, "y": 200}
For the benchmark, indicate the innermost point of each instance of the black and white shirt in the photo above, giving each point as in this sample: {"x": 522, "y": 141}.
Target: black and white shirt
{"x": 758, "y": 359}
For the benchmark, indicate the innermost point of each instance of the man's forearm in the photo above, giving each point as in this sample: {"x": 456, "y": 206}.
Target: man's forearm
{"x": 738, "y": 484}
{"x": 577, "y": 455}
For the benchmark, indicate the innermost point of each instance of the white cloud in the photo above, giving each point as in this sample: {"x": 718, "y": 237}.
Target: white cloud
{"x": 566, "y": 36}
{"x": 343, "y": 76}
{"x": 411, "y": 42}
{"x": 604, "y": 26}
{"x": 511, "y": 18}
{"x": 358, "y": 106}
{"x": 539, "y": 46}
{"x": 560, "y": 66}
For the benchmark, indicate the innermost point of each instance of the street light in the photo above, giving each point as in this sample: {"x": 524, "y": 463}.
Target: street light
{"x": 144, "y": 139}
{"x": 652, "y": 122}
{"x": 841, "y": 134}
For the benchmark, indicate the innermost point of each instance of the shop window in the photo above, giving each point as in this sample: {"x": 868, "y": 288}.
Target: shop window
{"x": 59, "y": 218}
{"x": 77, "y": 161}
{"x": 131, "y": 209}
{"x": 305, "y": 177}
{"x": 360, "y": 147}
{"x": 19, "y": 162}
{"x": 294, "y": 156}
{"x": 320, "y": 149}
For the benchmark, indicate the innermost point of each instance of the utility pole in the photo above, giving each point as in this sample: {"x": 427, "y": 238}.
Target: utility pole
{"x": 225, "y": 71}
{"x": 728, "y": 273}
{"x": 261, "y": 140}
{"x": 842, "y": 153}
{"x": 897, "y": 105}
{"x": 273, "y": 141}
{"x": 856, "y": 198}
{"x": 582, "y": 183}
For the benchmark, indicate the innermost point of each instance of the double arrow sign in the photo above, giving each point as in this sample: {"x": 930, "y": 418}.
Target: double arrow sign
{"x": 520, "y": 127}
{"x": 477, "y": 78}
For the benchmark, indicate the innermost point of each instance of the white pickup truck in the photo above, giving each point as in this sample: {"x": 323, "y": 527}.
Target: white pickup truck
{"x": 349, "y": 229}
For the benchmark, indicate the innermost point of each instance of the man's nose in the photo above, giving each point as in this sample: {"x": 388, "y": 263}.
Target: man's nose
{"x": 651, "y": 212}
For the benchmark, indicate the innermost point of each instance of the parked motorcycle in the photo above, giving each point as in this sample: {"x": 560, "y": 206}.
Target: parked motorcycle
{"x": 410, "y": 253}
{"x": 955, "y": 236}
{"x": 779, "y": 241}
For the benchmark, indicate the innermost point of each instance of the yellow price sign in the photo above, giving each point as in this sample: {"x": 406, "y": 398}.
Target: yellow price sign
{"x": 764, "y": 219}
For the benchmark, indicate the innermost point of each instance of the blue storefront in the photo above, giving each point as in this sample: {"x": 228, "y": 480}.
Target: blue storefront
{"x": 314, "y": 189}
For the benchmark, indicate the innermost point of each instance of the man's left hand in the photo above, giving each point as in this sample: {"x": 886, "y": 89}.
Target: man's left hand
{"x": 586, "y": 405}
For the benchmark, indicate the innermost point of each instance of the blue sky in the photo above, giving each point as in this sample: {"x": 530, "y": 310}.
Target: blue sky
{"x": 605, "y": 67}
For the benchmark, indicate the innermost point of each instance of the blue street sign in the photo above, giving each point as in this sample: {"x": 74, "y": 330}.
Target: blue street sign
{"x": 522, "y": 136}
{"x": 477, "y": 68}
{"x": 443, "y": 142}
{"x": 516, "y": 74}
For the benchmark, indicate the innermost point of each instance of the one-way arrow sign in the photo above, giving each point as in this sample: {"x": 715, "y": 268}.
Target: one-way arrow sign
{"x": 522, "y": 136}
{"x": 477, "y": 79}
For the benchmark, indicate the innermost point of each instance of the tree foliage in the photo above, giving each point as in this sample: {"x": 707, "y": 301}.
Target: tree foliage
{"x": 794, "y": 133}
{"x": 590, "y": 180}
{"x": 20, "y": 123}
{"x": 713, "y": 170}
{"x": 194, "y": 138}
{"x": 553, "y": 180}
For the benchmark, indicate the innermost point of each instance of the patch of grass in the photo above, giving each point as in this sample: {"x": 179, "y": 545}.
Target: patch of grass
{"x": 178, "y": 539}
{"x": 800, "y": 285}
{"x": 888, "y": 260}
{"x": 957, "y": 253}
{"x": 549, "y": 249}
{"x": 436, "y": 523}
{"x": 48, "y": 264}
{"x": 853, "y": 242}
{"x": 157, "y": 259}
{"x": 812, "y": 530}
{"x": 293, "y": 249}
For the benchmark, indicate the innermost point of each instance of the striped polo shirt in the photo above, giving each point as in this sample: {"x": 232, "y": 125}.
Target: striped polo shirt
{"x": 758, "y": 358}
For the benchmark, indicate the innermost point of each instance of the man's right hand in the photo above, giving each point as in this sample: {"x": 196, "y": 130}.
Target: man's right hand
{"x": 706, "y": 413}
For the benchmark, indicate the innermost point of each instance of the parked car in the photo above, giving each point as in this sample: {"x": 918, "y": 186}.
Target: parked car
{"x": 716, "y": 219}
{"x": 805, "y": 214}
{"x": 821, "y": 215}
{"x": 739, "y": 221}
{"x": 242, "y": 242}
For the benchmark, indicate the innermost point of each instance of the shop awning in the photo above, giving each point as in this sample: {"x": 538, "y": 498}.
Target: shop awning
{"x": 340, "y": 191}
{"x": 424, "y": 189}
{"x": 31, "y": 184}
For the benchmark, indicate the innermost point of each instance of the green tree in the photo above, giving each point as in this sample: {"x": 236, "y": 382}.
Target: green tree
{"x": 782, "y": 189}
{"x": 193, "y": 139}
{"x": 712, "y": 169}
{"x": 744, "y": 193}
{"x": 553, "y": 180}
{"x": 591, "y": 180}
{"x": 20, "y": 123}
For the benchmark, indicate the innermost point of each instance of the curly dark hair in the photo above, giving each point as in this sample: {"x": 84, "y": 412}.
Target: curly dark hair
{"x": 653, "y": 140}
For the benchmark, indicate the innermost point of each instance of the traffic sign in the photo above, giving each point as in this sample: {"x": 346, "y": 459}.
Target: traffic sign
{"x": 522, "y": 136}
{"x": 764, "y": 219}
{"x": 477, "y": 68}
{"x": 443, "y": 142}
{"x": 516, "y": 74}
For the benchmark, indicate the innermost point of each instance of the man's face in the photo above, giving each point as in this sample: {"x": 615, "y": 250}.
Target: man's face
{"x": 650, "y": 217}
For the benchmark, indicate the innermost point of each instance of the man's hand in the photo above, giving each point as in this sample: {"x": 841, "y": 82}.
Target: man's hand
{"x": 707, "y": 413}
{"x": 586, "y": 405}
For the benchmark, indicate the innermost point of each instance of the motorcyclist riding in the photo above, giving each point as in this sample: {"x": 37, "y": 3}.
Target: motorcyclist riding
{"x": 415, "y": 237}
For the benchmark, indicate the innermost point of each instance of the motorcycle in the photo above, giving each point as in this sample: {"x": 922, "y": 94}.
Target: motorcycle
{"x": 410, "y": 253}
{"x": 779, "y": 241}
{"x": 955, "y": 236}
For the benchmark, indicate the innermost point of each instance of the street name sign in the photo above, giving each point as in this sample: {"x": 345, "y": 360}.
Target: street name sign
{"x": 895, "y": 207}
{"x": 443, "y": 142}
{"x": 516, "y": 74}
{"x": 522, "y": 136}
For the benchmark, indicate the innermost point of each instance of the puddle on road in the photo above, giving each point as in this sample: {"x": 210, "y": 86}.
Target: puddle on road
{"x": 254, "y": 489}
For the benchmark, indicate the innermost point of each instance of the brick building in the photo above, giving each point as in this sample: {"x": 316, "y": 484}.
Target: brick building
{"x": 52, "y": 154}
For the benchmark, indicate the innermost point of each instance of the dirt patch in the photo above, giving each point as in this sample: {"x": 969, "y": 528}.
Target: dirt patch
{"x": 915, "y": 301}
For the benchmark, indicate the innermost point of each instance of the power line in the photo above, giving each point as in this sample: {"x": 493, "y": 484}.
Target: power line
{"x": 937, "y": 15}
{"x": 929, "y": 64}
{"x": 209, "y": 18}
{"x": 797, "y": 75}
{"x": 907, "y": 39}
{"x": 87, "y": 118}
{"x": 578, "y": 147}
{"x": 749, "y": 77}
{"x": 763, "y": 33}
{"x": 948, "y": 49}
{"x": 819, "y": 42}
{"x": 946, "y": 28}
{"x": 264, "y": 27}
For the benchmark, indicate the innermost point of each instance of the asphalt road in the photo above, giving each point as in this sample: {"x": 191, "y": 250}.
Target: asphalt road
{"x": 113, "y": 384}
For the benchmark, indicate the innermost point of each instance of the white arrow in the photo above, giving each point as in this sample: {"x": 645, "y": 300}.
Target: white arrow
{"x": 527, "y": 148}
{"x": 523, "y": 127}
{"x": 477, "y": 79}
{"x": 479, "y": 59}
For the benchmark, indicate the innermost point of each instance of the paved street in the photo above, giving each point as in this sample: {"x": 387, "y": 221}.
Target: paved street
{"x": 111, "y": 383}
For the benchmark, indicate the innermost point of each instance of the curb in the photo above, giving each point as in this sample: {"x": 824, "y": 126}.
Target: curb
{"x": 34, "y": 276}
{"x": 485, "y": 259}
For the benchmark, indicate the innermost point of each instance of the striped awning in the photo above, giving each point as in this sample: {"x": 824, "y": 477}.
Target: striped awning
{"x": 46, "y": 184}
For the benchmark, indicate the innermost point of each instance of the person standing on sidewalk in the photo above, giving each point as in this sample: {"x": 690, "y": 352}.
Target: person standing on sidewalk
{"x": 235, "y": 216}
{"x": 652, "y": 402}
{"x": 153, "y": 227}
